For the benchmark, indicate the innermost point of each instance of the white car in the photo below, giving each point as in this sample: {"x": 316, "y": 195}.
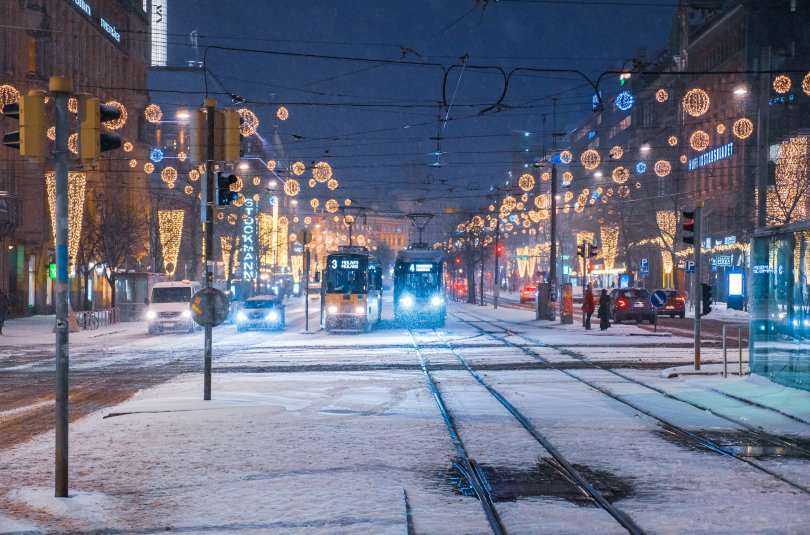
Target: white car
{"x": 170, "y": 307}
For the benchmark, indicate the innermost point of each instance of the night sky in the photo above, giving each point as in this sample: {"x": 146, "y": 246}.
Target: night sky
{"x": 373, "y": 122}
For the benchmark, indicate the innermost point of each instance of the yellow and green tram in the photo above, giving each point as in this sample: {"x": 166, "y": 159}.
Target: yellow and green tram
{"x": 351, "y": 290}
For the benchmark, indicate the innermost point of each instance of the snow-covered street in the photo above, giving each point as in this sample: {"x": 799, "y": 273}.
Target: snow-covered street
{"x": 319, "y": 433}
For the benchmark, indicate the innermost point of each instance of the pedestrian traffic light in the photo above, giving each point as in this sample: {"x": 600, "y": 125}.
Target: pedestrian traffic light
{"x": 589, "y": 267}
{"x": 30, "y": 111}
{"x": 458, "y": 260}
{"x": 581, "y": 250}
{"x": 92, "y": 141}
{"x": 707, "y": 299}
{"x": 689, "y": 227}
{"x": 499, "y": 250}
{"x": 224, "y": 193}
{"x": 593, "y": 250}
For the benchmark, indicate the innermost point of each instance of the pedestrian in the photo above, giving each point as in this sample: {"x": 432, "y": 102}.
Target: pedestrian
{"x": 604, "y": 311}
{"x": 3, "y": 310}
{"x": 587, "y": 307}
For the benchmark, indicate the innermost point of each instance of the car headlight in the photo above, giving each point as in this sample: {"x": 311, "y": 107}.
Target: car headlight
{"x": 436, "y": 301}
{"x": 272, "y": 316}
{"x": 360, "y": 310}
{"x": 241, "y": 316}
{"x": 332, "y": 310}
{"x": 186, "y": 313}
{"x": 406, "y": 301}
{"x": 150, "y": 315}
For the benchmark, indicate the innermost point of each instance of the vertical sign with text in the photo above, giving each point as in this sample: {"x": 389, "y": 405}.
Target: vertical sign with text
{"x": 248, "y": 244}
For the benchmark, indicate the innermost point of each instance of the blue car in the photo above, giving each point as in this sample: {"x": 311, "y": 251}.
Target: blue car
{"x": 263, "y": 312}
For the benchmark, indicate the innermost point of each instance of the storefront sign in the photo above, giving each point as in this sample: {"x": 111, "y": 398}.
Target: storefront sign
{"x": 723, "y": 260}
{"x": 110, "y": 29}
{"x": 725, "y": 151}
{"x": 248, "y": 245}
{"x": 81, "y": 4}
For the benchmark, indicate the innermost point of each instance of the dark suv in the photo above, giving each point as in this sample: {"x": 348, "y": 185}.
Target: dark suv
{"x": 631, "y": 303}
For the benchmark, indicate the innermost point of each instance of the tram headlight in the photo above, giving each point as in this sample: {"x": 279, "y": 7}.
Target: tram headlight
{"x": 360, "y": 310}
{"x": 406, "y": 301}
{"x": 332, "y": 310}
{"x": 150, "y": 315}
{"x": 436, "y": 301}
{"x": 241, "y": 316}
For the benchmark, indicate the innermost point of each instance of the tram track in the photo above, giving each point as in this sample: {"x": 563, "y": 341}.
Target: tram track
{"x": 695, "y": 438}
{"x": 472, "y": 472}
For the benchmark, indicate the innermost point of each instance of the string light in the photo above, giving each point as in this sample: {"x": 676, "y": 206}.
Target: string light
{"x": 51, "y": 133}
{"x": 620, "y": 175}
{"x": 182, "y": 156}
{"x": 73, "y": 143}
{"x": 696, "y": 102}
{"x": 73, "y": 105}
{"x": 566, "y": 157}
{"x": 115, "y": 124}
{"x": 568, "y": 196}
{"x": 169, "y": 174}
{"x": 661, "y": 95}
{"x": 8, "y": 95}
{"x": 624, "y": 101}
{"x": 332, "y": 184}
{"x": 623, "y": 191}
{"x": 699, "y": 140}
{"x": 332, "y": 206}
{"x": 153, "y": 113}
{"x": 567, "y": 178}
{"x": 667, "y": 223}
{"x": 610, "y": 240}
{"x": 133, "y": 163}
{"x": 282, "y": 113}
{"x": 672, "y": 141}
{"x": 616, "y": 152}
{"x": 806, "y": 84}
{"x": 189, "y": 190}
{"x": 638, "y": 185}
{"x": 787, "y": 201}
{"x": 542, "y": 201}
{"x": 194, "y": 175}
{"x": 662, "y": 168}
{"x": 781, "y": 84}
{"x": 590, "y": 159}
{"x": 524, "y": 197}
{"x": 239, "y": 200}
{"x": 128, "y": 147}
{"x": 232, "y": 219}
{"x": 249, "y": 123}
{"x": 307, "y": 220}
{"x": 526, "y": 181}
{"x": 312, "y": 182}
{"x": 77, "y": 185}
{"x": 347, "y": 202}
{"x": 148, "y": 167}
{"x": 721, "y": 128}
{"x": 509, "y": 203}
{"x": 292, "y": 187}
{"x": 299, "y": 168}
{"x": 170, "y": 185}
{"x": 683, "y": 158}
{"x": 271, "y": 164}
{"x": 743, "y": 128}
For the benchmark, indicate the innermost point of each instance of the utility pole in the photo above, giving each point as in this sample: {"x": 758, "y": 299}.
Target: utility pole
{"x": 207, "y": 198}
{"x": 552, "y": 269}
{"x": 763, "y": 116}
{"x": 496, "y": 288}
{"x": 60, "y": 87}
{"x": 481, "y": 289}
{"x": 696, "y": 281}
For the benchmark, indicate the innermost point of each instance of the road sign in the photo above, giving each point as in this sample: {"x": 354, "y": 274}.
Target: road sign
{"x": 658, "y": 298}
{"x": 690, "y": 266}
{"x": 209, "y": 306}
{"x": 644, "y": 266}
{"x": 304, "y": 236}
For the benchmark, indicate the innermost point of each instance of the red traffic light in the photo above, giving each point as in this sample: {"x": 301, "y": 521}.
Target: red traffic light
{"x": 458, "y": 260}
{"x": 499, "y": 250}
{"x": 590, "y": 267}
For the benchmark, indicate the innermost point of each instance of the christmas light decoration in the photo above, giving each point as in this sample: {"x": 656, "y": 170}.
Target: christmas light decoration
{"x": 148, "y": 167}
{"x": 189, "y": 190}
{"x": 787, "y": 199}
{"x": 568, "y": 196}
{"x": 699, "y": 140}
{"x": 524, "y": 197}
{"x": 332, "y": 206}
{"x": 661, "y": 95}
{"x": 292, "y": 187}
{"x": 128, "y": 146}
{"x": 641, "y": 168}
{"x": 256, "y": 181}
{"x": 509, "y": 203}
{"x": 271, "y": 164}
{"x": 566, "y": 157}
{"x": 314, "y": 203}
{"x": 170, "y": 185}
{"x": 156, "y": 155}
{"x": 8, "y": 95}
{"x": 567, "y": 178}
{"x": 616, "y": 152}
{"x": 721, "y": 128}
{"x": 624, "y": 101}
{"x": 307, "y": 220}
{"x": 51, "y": 133}
{"x": 282, "y": 113}
{"x": 638, "y": 185}
{"x": 667, "y": 223}
{"x": 526, "y": 182}
{"x": 806, "y": 84}
{"x": 743, "y": 128}
{"x": 182, "y": 156}
{"x": 249, "y": 122}
{"x": 623, "y": 191}
{"x": 545, "y": 176}
{"x": 542, "y": 201}
{"x": 781, "y": 84}
{"x": 620, "y": 175}
{"x": 322, "y": 172}
{"x": 590, "y": 159}
{"x": 194, "y": 175}
{"x": 332, "y": 184}
{"x": 347, "y": 202}
{"x": 683, "y": 158}
{"x": 232, "y": 219}
{"x": 169, "y": 174}
{"x": 77, "y": 185}
{"x": 239, "y": 200}
{"x": 73, "y": 143}
{"x": 696, "y": 102}
{"x": 133, "y": 163}
{"x": 519, "y": 206}
{"x": 299, "y": 168}
{"x": 153, "y": 113}
{"x": 115, "y": 124}
{"x": 672, "y": 141}
{"x": 73, "y": 105}
{"x": 610, "y": 240}
{"x": 662, "y": 168}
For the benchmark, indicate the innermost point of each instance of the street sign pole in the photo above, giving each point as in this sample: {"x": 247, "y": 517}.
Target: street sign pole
{"x": 208, "y": 196}
{"x": 696, "y": 290}
{"x": 306, "y": 288}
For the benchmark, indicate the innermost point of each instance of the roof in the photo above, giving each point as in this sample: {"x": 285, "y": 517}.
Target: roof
{"x": 420, "y": 255}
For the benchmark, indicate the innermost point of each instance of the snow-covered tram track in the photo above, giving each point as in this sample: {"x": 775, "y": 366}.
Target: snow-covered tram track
{"x": 472, "y": 472}
{"x": 696, "y": 438}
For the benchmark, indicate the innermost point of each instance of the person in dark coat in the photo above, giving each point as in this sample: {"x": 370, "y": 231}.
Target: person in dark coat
{"x": 604, "y": 311}
{"x": 3, "y": 310}
{"x": 587, "y": 307}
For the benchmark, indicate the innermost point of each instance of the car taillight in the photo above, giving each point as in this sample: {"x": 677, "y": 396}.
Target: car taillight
{"x": 622, "y": 303}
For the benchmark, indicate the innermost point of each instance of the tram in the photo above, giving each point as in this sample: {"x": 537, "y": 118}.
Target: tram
{"x": 419, "y": 287}
{"x": 351, "y": 290}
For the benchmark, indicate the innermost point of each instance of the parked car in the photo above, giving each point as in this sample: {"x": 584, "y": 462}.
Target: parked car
{"x": 676, "y": 305}
{"x": 631, "y": 304}
{"x": 527, "y": 294}
{"x": 261, "y": 312}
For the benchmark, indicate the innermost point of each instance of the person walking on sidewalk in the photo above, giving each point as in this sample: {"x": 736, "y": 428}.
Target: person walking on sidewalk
{"x": 604, "y": 311}
{"x": 3, "y": 310}
{"x": 587, "y": 307}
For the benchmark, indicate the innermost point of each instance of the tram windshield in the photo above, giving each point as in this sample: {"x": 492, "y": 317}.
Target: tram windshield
{"x": 419, "y": 278}
{"x": 346, "y": 275}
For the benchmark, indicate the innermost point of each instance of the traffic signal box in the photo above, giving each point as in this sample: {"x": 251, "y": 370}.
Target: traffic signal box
{"x": 30, "y": 111}
{"x": 581, "y": 250}
{"x": 224, "y": 193}
{"x": 689, "y": 227}
{"x": 92, "y": 141}
{"x": 593, "y": 250}
{"x": 227, "y": 136}
{"x": 706, "y": 300}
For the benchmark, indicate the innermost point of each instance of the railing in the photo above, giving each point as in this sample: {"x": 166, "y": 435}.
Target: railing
{"x": 93, "y": 319}
{"x": 739, "y": 327}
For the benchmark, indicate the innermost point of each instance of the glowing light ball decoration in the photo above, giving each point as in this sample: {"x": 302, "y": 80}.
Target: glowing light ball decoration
{"x": 156, "y": 155}
{"x": 662, "y": 168}
{"x": 249, "y": 122}
{"x": 292, "y": 187}
{"x": 332, "y": 184}
{"x": 661, "y": 95}
{"x": 133, "y": 163}
{"x": 526, "y": 182}
{"x": 566, "y": 157}
{"x": 271, "y": 164}
{"x": 699, "y": 140}
{"x": 121, "y": 121}
{"x": 347, "y": 202}
{"x": 282, "y": 113}
{"x": 641, "y": 168}
{"x": 567, "y": 178}
{"x": 307, "y": 220}
{"x": 806, "y": 84}
{"x": 721, "y": 129}
{"x": 620, "y": 175}
{"x": 672, "y": 141}
{"x": 568, "y": 196}
{"x": 545, "y": 177}
{"x": 73, "y": 143}
{"x": 683, "y": 158}
{"x": 696, "y": 102}
{"x": 638, "y": 185}
{"x": 168, "y": 175}
{"x": 182, "y": 156}
{"x": 8, "y": 95}
{"x": 189, "y": 190}
{"x": 312, "y": 182}
{"x": 237, "y": 186}
{"x": 781, "y": 84}
{"x": 590, "y": 159}
{"x": 743, "y": 128}
{"x": 128, "y": 147}
{"x": 73, "y": 105}
{"x": 194, "y": 175}
{"x": 51, "y": 133}
{"x": 524, "y": 197}
{"x": 148, "y": 167}
{"x": 616, "y": 152}
{"x": 624, "y": 191}
{"x": 299, "y": 168}
{"x": 256, "y": 181}
{"x": 331, "y": 206}
{"x": 239, "y": 201}
{"x": 153, "y": 113}
{"x": 624, "y": 101}
{"x": 314, "y": 203}
{"x": 509, "y": 203}
{"x": 322, "y": 172}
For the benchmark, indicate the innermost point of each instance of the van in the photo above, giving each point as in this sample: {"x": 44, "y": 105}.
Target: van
{"x": 170, "y": 307}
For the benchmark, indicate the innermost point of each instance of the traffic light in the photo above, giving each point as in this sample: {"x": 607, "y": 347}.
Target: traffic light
{"x": 458, "y": 260}
{"x": 706, "y": 302}
{"x": 593, "y": 250}
{"x": 589, "y": 267}
{"x": 499, "y": 250}
{"x": 228, "y": 127}
{"x": 197, "y": 136}
{"x": 581, "y": 250}
{"x": 689, "y": 227}
{"x": 92, "y": 141}
{"x": 30, "y": 111}
{"x": 224, "y": 193}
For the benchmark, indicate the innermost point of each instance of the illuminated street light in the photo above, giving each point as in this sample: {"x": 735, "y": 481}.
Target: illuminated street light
{"x": 183, "y": 115}
{"x": 741, "y": 90}
{"x": 244, "y": 166}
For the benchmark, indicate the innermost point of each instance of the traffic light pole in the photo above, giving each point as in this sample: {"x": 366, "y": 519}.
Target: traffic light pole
{"x": 552, "y": 267}
{"x": 696, "y": 287}
{"x": 497, "y": 287}
{"x": 207, "y": 197}
{"x": 60, "y": 88}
